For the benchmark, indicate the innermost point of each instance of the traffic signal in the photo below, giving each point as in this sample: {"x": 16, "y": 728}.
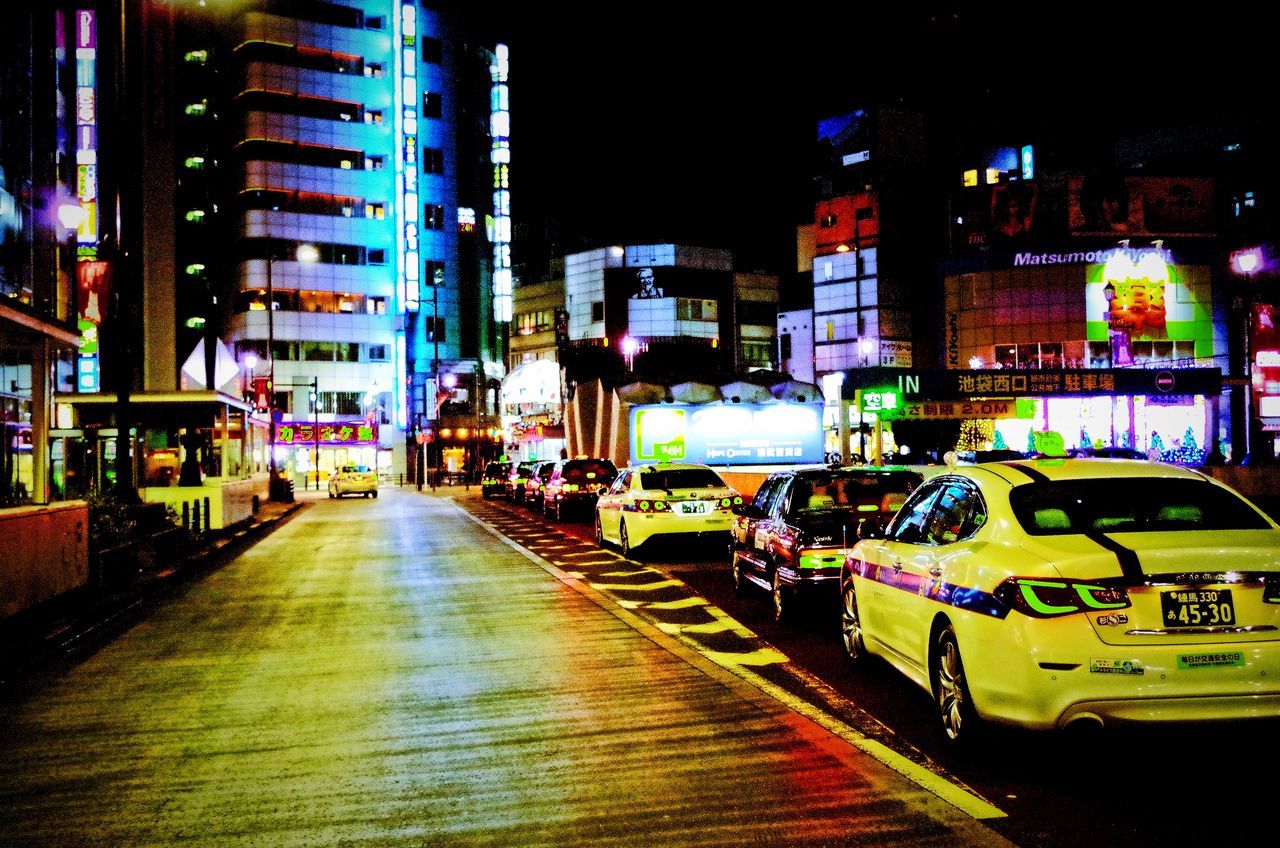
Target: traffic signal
{"x": 262, "y": 387}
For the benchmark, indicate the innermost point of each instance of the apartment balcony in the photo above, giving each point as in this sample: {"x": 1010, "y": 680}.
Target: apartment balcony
{"x": 263, "y": 26}
{"x": 287, "y": 176}
{"x": 370, "y": 280}
{"x": 353, "y": 135}
{"x": 372, "y": 92}
{"x": 315, "y": 327}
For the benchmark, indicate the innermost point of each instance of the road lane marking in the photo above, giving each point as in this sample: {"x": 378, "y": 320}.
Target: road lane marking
{"x": 683, "y": 603}
{"x": 635, "y": 587}
{"x": 636, "y": 573}
{"x": 723, "y": 623}
{"x": 758, "y": 657}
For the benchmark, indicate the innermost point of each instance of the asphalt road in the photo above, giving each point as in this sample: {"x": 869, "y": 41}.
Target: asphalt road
{"x": 390, "y": 672}
{"x": 1208, "y": 785}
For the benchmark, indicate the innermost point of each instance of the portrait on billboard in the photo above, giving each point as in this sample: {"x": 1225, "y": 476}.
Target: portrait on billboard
{"x": 646, "y": 287}
{"x": 1013, "y": 212}
{"x": 1102, "y": 204}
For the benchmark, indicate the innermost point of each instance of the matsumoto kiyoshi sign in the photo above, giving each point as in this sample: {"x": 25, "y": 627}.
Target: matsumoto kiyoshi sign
{"x": 728, "y": 434}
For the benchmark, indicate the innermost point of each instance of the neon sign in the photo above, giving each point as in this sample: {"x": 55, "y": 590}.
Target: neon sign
{"x": 500, "y": 156}
{"x": 408, "y": 283}
{"x": 340, "y": 433}
{"x": 86, "y": 109}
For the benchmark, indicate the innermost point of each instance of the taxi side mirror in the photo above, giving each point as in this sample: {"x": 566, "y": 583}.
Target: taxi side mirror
{"x": 602, "y": 491}
{"x": 747, "y": 510}
{"x": 870, "y": 529}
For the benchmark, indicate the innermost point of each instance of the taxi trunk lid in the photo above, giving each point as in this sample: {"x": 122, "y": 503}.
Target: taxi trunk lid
{"x": 1185, "y": 587}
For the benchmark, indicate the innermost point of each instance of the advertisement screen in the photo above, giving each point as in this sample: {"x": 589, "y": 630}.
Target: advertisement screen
{"x": 1101, "y": 205}
{"x": 728, "y": 434}
{"x": 1137, "y": 296}
{"x": 845, "y": 139}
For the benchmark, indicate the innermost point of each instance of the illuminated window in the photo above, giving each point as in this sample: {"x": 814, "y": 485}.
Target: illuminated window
{"x": 375, "y": 163}
{"x": 376, "y": 305}
{"x": 373, "y": 116}
{"x": 827, "y": 221}
{"x": 432, "y": 105}
{"x": 195, "y": 216}
{"x": 195, "y": 163}
{"x": 375, "y": 210}
{"x": 433, "y": 217}
{"x": 971, "y": 178}
{"x": 373, "y": 69}
{"x": 197, "y": 108}
{"x": 195, "y": 269}
{"x": 433, "y": 272}
{"x": 196, "y": 57}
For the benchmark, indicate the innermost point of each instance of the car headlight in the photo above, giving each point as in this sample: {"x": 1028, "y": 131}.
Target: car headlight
{"x": 1052, "y": 598}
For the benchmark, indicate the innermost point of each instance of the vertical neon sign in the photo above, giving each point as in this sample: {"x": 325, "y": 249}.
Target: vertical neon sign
{"x": 409, "y": 282}
{"x": 500, "y": 156}
{"x": 86, "y": 106}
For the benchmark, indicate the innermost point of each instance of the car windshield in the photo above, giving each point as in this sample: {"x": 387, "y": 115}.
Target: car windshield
{"x": 844, "y": 490}
{"x": 1130, "y": 505}
{"x": 354, "y": 469}
{"x": 496, "y": 469}
{"x": 545, "y": 472}
{"x": 589, "y": 469}
{"x": 525, "y": 469}
{"x": 681, "y": 478}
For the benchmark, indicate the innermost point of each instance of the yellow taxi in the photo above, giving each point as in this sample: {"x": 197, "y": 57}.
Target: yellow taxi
{"x": 1051, "y": 593}
{"x": 664, "y": 499}
{"x": 354, "y": 480}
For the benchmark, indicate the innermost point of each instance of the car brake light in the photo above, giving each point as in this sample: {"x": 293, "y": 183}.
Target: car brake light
{"x": 569, "y": 487}
{"x": 1052, "y": 598}
{"x": 654, "y": 506}
{"x": 892, "y": 502}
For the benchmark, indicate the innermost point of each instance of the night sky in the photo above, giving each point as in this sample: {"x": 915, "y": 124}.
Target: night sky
{"x": 692, "y": 122}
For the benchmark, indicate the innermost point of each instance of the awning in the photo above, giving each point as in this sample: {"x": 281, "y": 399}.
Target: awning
{"x": 533, "y": 382}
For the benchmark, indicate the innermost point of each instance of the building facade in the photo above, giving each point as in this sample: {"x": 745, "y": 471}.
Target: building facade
{"x": 355, "y": 158}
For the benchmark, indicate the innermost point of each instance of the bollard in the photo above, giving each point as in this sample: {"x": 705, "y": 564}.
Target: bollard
{"x": 208, "y": 516}
{"x": 186, "y": 514}
{"x": 195, "y": 518}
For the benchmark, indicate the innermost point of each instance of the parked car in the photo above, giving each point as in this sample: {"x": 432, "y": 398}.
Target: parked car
{"x": 661, "y": 500}
{"x": 575, "y": 484}
{"x": 791, "y": 540}
{"x": 354, "y": 480}
{"x": 518, "y": 480}
{"x": 494, "y": 480}
{"x": 1054, "y": 592}
{"x": 537, "y": 482}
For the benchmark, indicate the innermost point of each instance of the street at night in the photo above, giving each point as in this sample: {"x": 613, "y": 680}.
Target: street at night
{"x": 429, "y": 423}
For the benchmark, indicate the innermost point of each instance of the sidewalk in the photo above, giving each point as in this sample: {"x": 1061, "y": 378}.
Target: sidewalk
{"x": 82, "y": 619}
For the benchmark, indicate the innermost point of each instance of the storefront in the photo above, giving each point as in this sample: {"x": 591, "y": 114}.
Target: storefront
{"x": 1173, "y": 411}
{"x": 309, "y": 452}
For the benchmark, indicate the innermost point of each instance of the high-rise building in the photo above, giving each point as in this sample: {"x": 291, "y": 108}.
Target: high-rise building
{"x": 344, "y": 204}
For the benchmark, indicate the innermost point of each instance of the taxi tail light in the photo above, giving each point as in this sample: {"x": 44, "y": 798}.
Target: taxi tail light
{"x": 654, "y": 506}
{"x": 569, "y": 487}
{"x": 1053, "y": 598}
{"x": 892, "y": 502}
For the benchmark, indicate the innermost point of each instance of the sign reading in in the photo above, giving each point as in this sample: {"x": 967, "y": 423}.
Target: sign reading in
{"x": 728, "y": 434}
{"x": 340, "y": 433}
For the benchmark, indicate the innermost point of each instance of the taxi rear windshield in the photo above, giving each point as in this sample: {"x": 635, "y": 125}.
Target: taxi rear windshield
{"x": 353, "y": 469}
{"x": 681, "y": 478}
{"x": 1141, "y": 505}
{"x": 581, "y": 469}
{"x": 495, "y": 469}
{"x": 845, "y": 491}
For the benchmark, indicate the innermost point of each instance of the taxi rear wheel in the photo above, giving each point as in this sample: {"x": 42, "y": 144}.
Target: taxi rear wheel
{"x": 624, "y": 541}
{"x": 958, "y": 720}
{"x": 735, "y": 572}
{"x": 783, "y": 602}
{"x": 600, "y": 533}
{"x": 855, "y": 647}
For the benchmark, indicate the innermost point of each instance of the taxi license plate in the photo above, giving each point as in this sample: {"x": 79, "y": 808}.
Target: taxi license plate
{"x": 1197, "y": 608}
{"x": 694, "y": 508}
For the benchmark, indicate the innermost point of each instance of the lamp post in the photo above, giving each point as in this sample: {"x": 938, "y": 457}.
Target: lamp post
{"x": 305, "y": 253}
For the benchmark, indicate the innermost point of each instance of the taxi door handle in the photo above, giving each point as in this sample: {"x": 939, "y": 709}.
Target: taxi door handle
{"x": 936, "y": 571}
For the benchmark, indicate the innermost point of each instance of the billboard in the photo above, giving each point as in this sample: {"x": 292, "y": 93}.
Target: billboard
{"x": 1140, "y": 296}
{"x": 1006, "y": 216}
{"x": 728, "y": 434}
{"x": 1106, "y": 205}
{"x": 845, "y": 139}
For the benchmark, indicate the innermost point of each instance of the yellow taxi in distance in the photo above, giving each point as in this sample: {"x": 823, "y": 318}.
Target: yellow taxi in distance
{"x": 663, "y": 499}
{"x": 1054, "y": 592}
{"x": 354, "y": 480}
